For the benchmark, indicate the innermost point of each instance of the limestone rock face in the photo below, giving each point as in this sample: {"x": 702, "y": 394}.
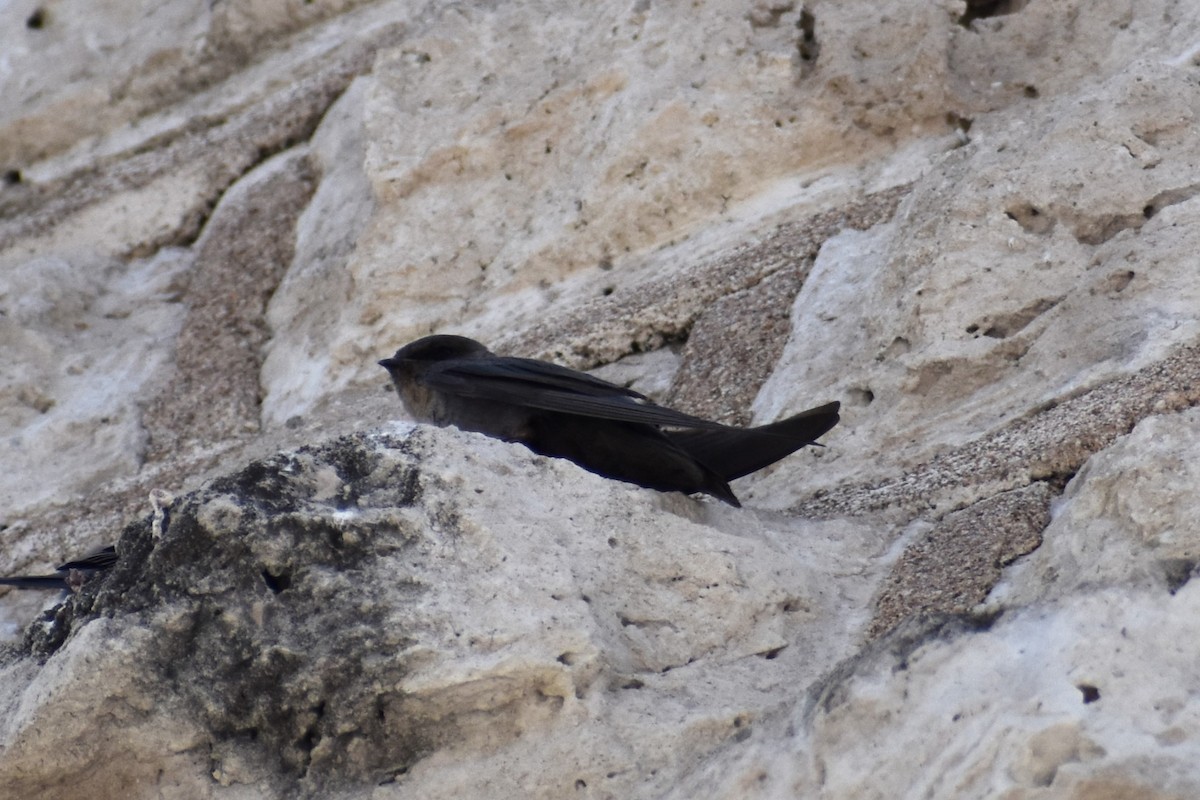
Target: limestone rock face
{"x": 336, "y": 616}
{"x": 975, "y": 224}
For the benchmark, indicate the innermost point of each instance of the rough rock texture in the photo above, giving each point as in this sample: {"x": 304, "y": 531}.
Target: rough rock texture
{"x": 348, "y": 614}
{"x": 973, "y": 223}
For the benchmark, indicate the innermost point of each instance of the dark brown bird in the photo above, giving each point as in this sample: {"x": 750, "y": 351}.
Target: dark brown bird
{"x": 604, "y": 428}
{"x": 70, "y": 575}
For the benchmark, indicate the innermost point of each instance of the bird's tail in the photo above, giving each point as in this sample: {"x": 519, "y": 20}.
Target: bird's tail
{"x": 36, "y": 582}
{"x": 734, "y": 452}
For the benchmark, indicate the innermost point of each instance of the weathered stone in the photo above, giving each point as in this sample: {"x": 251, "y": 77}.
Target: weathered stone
{"x": 975, "y": 224}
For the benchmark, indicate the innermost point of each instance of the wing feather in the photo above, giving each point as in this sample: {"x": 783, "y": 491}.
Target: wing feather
{"x": 537, "y": 384}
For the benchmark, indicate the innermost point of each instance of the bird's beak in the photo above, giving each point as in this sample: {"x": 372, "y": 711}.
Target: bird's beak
{"x": 388, "y": 363}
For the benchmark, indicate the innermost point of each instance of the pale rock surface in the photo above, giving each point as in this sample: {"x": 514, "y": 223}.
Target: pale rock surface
{"x": 974, "y": 224}
{"x": 1054, "y": 702}
{"x": 1128, "y": 519}
{"x": 83, "y": 399}
{"x": 382, "y": 603}
{"x": 1018, "y": 277}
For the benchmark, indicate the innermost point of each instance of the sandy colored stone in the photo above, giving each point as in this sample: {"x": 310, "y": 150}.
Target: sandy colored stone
{"x": 1126, "y": 518}
{"x": 923, "y": 705}
{"x": 361, "y": 605}
{"x": 732, "y": 348}
{"x": 1053, "y": 442}
{"x": 126, "y": 63}
{"x": 974, "y": 224}
{"x": 952, "y": 567}
{"x": 213, "y": 393}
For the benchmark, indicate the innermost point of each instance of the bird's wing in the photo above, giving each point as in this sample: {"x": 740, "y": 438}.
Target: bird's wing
{"x": 93, "y": 562}
{"x": 537, "y": 384}
{"x": 103, "y": 558}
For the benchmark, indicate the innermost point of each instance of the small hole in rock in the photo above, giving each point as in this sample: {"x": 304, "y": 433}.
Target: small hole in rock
{"x": 276, "y": 583}
{"x": 862, "y": 396}
{"x": 1090, "y": 693}
{"x": 982, "y": 9}
{"x": 37, "y": 20}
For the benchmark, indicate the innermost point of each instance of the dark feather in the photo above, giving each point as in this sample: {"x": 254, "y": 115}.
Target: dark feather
{"x": 549, "y": 387}
{"x": 70, "y": 573}
{"x": 734, "y": 452}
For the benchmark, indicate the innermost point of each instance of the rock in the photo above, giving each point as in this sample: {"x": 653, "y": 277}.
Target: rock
{"x": 1042, "y": 704}
{"x": 1124, "y": 520}
{"x": 974, "y": 224}
{"x": 326, "y": 619}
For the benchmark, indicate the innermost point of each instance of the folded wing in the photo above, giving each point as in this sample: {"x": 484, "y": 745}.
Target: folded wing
{"x": 537, "y": 384}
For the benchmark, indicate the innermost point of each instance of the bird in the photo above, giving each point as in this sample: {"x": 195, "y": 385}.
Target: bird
{"x": 607, "y": 429}
{"x": 73, "y": 574}
{"x": 69, "y": 576}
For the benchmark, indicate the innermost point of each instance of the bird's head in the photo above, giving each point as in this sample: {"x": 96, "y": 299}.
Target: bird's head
{"x": 434, "y": 348}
